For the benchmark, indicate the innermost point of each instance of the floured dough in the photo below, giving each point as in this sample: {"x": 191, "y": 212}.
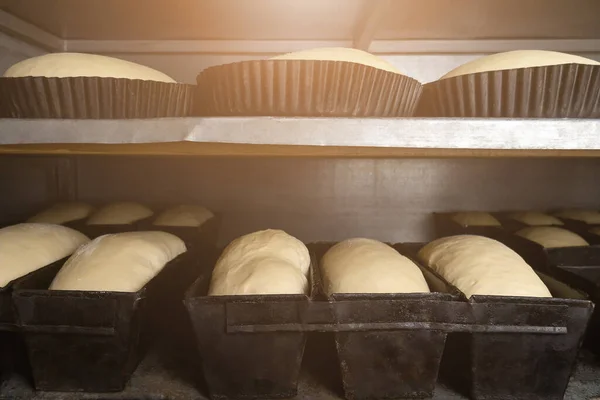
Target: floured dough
{"x": 25, "y": 248}
{"x": 368, "y": 266}
{"x": 535, "y": 218}
{"x": 587, "y": 216}
{"x": 123, "y": 262}
{"x": 517, "y": 59}
{"x": 475, "y": 218}
{"x": 61, "y": 213}
{"x": 119, "y": 214}
{"x": 262, "y": 276}
{"x": 480, "y": 265}
{"x": 340, "y": 54}
{"x": 184, "y": 215}
{"x": 263, "y": 262}
{"x": 549, "y": 237}
{"x": 63, "y": 65}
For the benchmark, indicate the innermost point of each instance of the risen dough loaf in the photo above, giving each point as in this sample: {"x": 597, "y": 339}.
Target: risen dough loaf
{"x": 587, "y": 216}
{"x": 25, "y": 248}
{"x": 475, "y": 218}
{"x": 119, "y": 214}
{"x": 123, "y": 262}
{"x": 62, "y": 213}
{"x": 550, "y": 237}
{"x": 64, "y": 65}
{"x": 264, "y": 262}
{"x": 535, "y": 218}
{"x": 368, "y": 266}
{"x": 479, "y": 265}
{"x": 340, "y": 54}
{"x": 517, "y": 59}
{"x": 185, "y": 215}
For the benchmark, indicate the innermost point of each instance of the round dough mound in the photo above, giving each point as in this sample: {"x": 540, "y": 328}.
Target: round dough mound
{"x": 481, "y": 266}
{"x": 261, "y": 276}
{"x": 535, "y": 218}
{"x": 264, "y": 262}
{"x": 62, "y": 213}
{"x": 25, "y": 248}
{"x": 550, "y": 237}
{"x": 587, "y": 216}
{"x": 517, "y": 59}
{"x": 123, "y": 262}
{"x": 184, "y": 215}
{"x": 340, "y": 54}
{"x": 475, "y": 218}
{"x": 368, "y": 266}
{"x": 64, "y": 65}
{"x": 119, "y": 214}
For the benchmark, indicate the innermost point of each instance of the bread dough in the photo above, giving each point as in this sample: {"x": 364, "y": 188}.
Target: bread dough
{"x": 261, "y": 276}
{"x": 587, "y": 216}
{"x": 368, "y": 266}
{"x": 119, "y": 214}
{"x": 549, "y": 237}
{"x": 517, "y": 59}
{"x": 475, "y": 218}
{"x": 340, "y": 54}
{"x": 535, "y": 218}
{"x": 25, "y": 248}
{"x": 122, "y": 262}
{"x": 62, "y": 213}
{"x": 64, "y": 65}
{"x": 263, "y": 262}
{"x": 483, "y": 266}
{"x": 184, "y": 215}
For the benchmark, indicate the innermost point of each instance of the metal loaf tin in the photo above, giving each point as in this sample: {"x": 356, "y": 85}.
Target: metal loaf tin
{"x": 579, "y": 267}
{"x": 92, "y": 341}
{"x": 390, "y": 346}
{"x": 239, "y": 361}
{"x": 94, "y": 231}
{"x": 13, "y": 355}
{"x": 582, "y": 229}
{"x": 444, "y": 225}
{"x": 533, "y": 362}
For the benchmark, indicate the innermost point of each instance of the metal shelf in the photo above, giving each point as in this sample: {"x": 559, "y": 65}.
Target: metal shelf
{"x": 356, "y": 137}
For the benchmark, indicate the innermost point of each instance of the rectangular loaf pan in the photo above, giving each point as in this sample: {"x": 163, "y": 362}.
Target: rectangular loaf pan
{"x": 303, "y": 88}
{"x": 534, "y": 364}
{"x": 557, "y": 91}
{"x": 92, "y": 341}
{"x": 13, "y": 354}
{"x": 93, "y": 98}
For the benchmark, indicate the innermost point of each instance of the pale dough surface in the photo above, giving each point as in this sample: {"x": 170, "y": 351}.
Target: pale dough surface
{"x": 64, "y": 65}
{"x": 340, "y": 54}
{"x": 62, "y": 213}
{"x": 25, "y": 248}
{"x": 122, "y": 262}
{"x": 184, "y": 215}
{"x": 122, "y": 213}
{"x": 263, "y": 262}
{"x": 532, "y": 218}
{"x": 587, "y": 216}
{"x": 483, "y": 266}
{"x": 517, "y": 59}
{"x": 550, "y": 237}
{"x": 368, "y": 266}
{"x": 475, "y": 218}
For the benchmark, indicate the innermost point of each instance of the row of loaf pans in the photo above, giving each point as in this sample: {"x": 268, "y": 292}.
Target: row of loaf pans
{"x": 389, "y": 346}
{"x": 577, "y": 266}
{"x": 296, "y": 88}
